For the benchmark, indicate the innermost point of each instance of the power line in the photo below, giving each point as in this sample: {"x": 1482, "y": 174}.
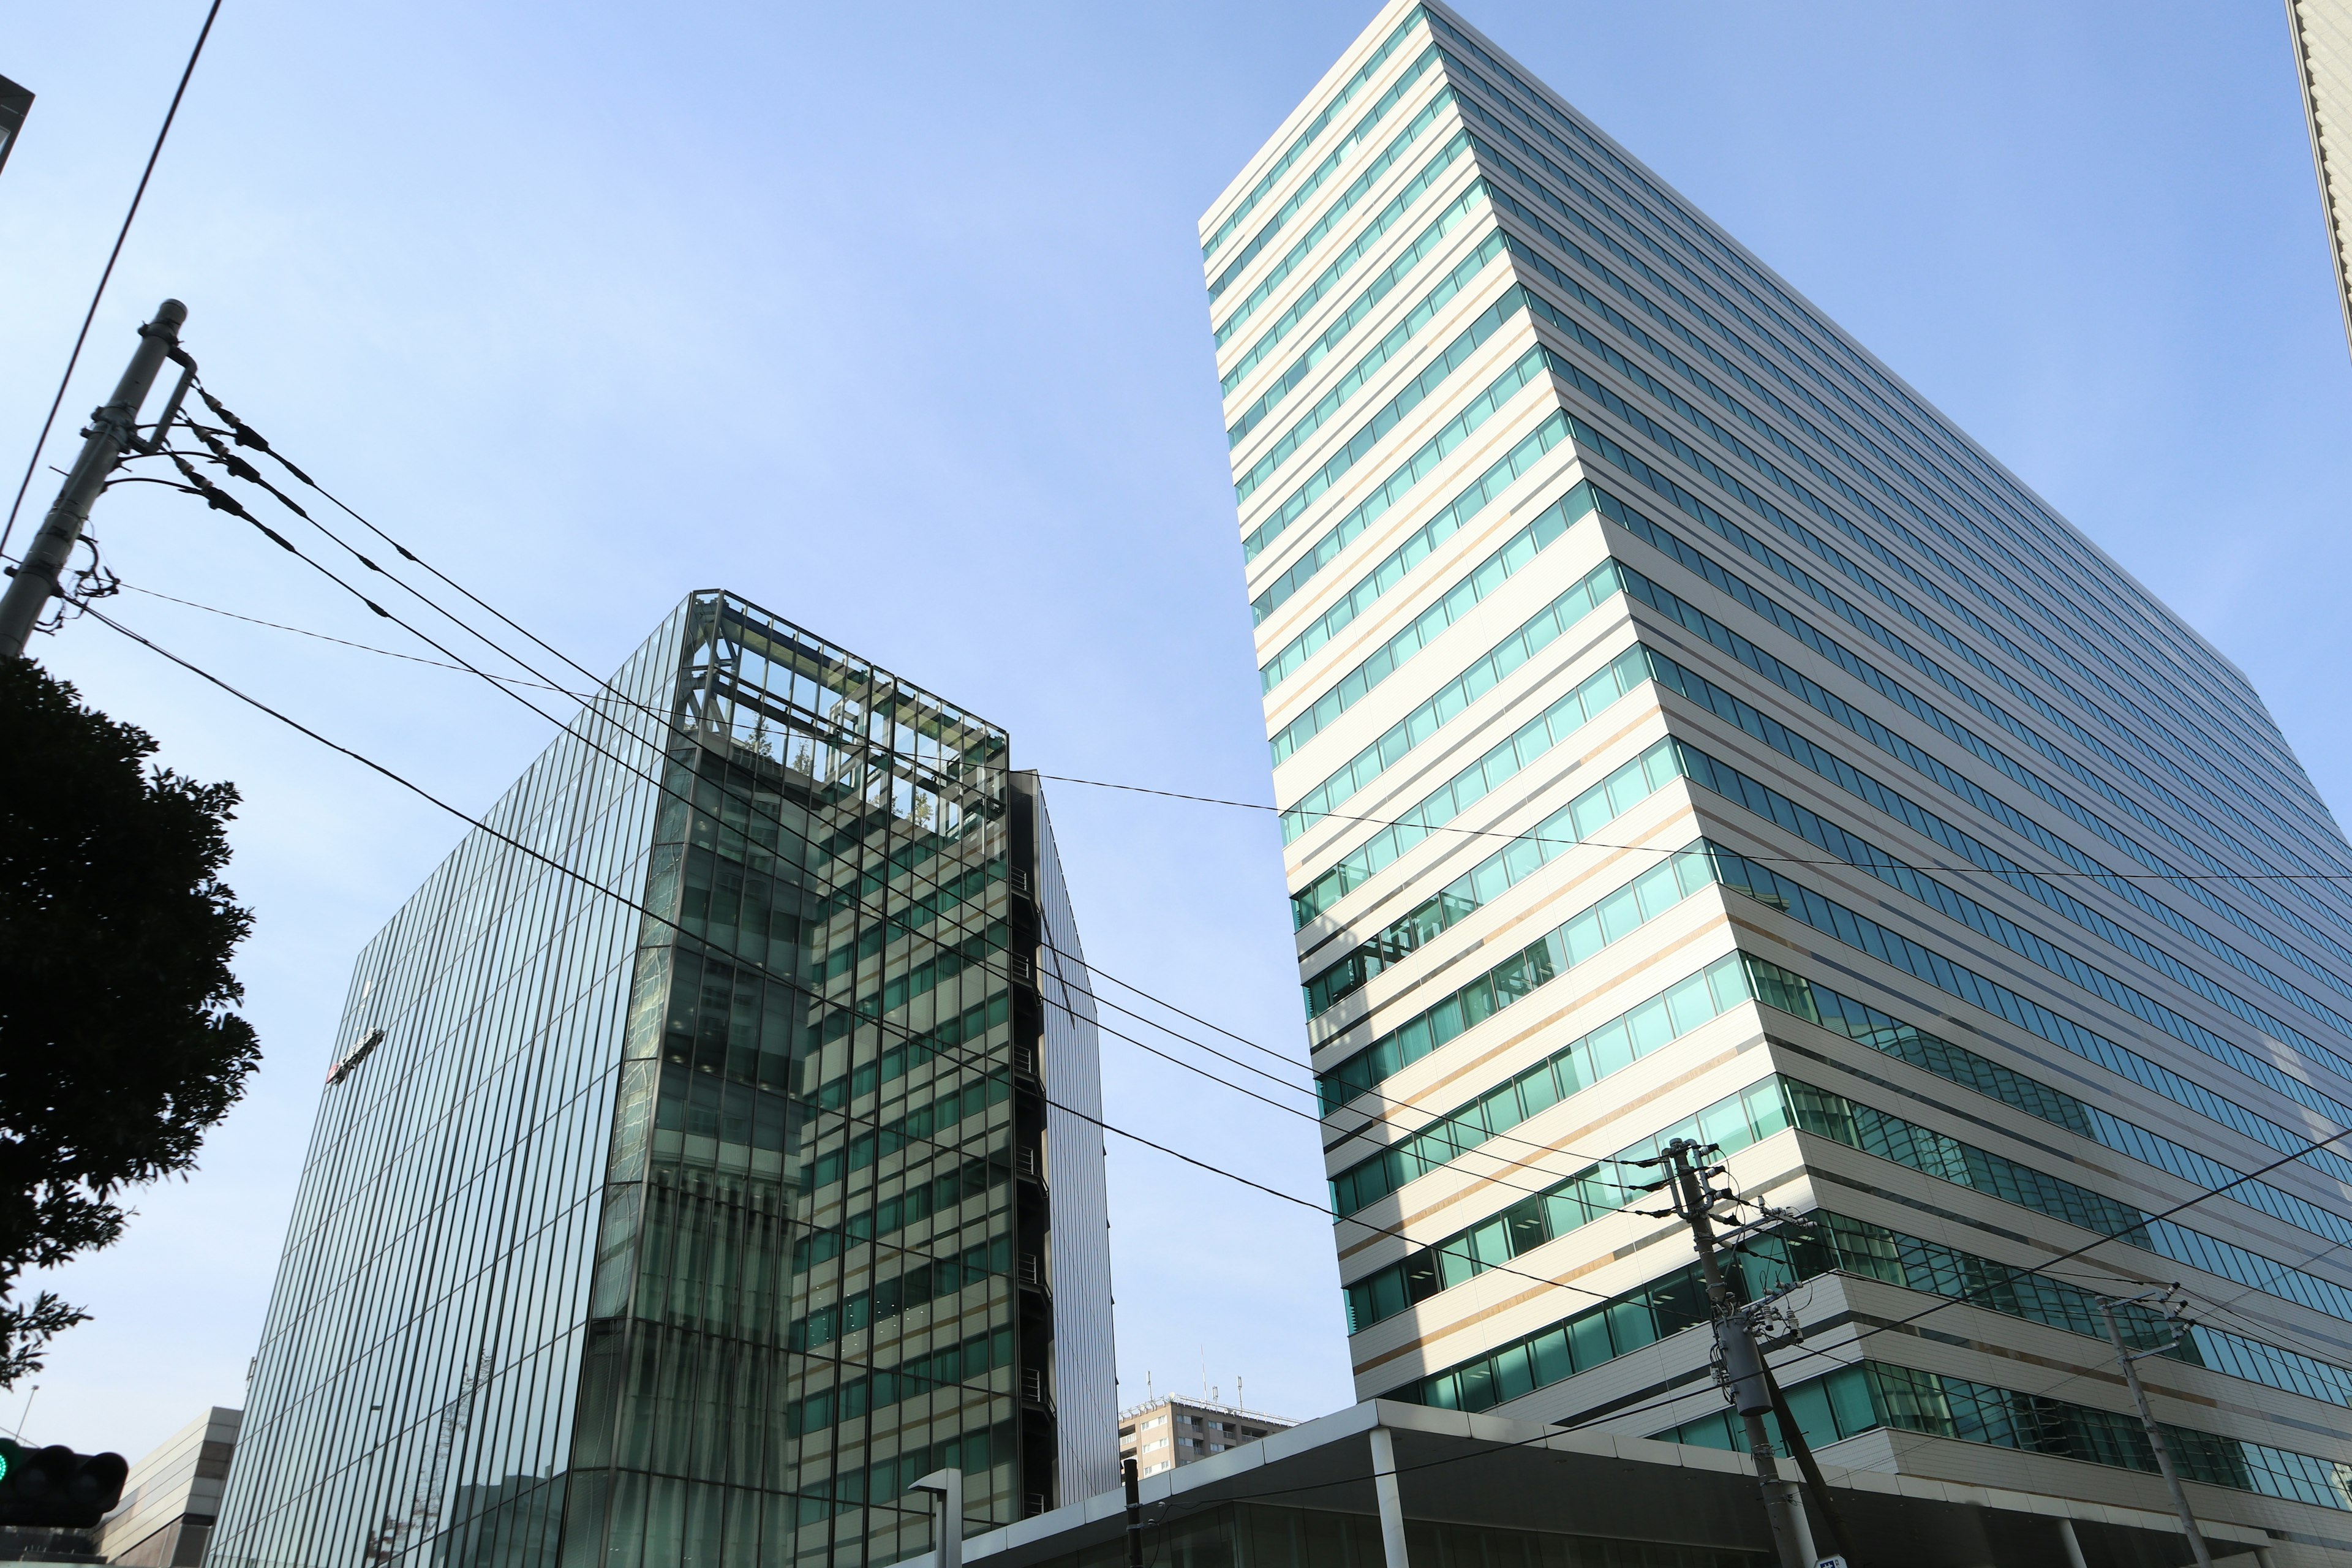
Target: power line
{"x": 907, "y": 1031}
{"x": 1787, "y": 860}
{"x": 1363, "y": 1132}
{"x": 2010, "y": 876}
{"x": 33, "y": 462}
{"x": 1178, "y": 1154}
{"x": 1091, "y": 995}
{"x": 343, "y": 642}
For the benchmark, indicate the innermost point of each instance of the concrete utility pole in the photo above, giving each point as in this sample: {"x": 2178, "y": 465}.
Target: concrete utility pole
{"x": 1743, "y": 1364}
{"x": 113, "y": 430}
{"x": 2129, "y": 1361}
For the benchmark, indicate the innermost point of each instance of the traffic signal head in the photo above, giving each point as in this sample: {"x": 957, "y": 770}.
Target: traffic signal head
{"x": 56, "y": 1487}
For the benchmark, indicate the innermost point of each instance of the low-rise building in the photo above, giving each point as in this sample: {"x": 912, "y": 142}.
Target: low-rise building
{"x": 1164, "y": 1433}
{"x": 172, "y": 1497}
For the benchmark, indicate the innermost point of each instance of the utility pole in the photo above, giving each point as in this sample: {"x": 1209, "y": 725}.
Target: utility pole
{"x": 1743, "y": 1363}
{"x": 113, "y": 430}
{"x": 1128, "y": 1477}
{"x": 2129, "y": 1360}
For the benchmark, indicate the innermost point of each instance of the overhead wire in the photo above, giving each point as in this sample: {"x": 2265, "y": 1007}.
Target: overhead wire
{"x": 1155, "y": 1024}
{"x": 1362, "y": 1133}
{"x": 138, "y": 194}
{"x": 906, "y": 1030}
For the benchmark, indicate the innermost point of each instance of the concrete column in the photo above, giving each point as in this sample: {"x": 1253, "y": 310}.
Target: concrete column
{"x": 1384, "y": 1483}
{"x": 2073, "y": 1547}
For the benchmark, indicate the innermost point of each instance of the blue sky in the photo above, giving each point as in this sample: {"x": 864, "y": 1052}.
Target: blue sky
{"x": 890, "y": 318}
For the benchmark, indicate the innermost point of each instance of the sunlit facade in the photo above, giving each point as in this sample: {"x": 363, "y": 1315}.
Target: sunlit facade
{"x": 1682, "y": 729}
{"x": 693, "y": 1224}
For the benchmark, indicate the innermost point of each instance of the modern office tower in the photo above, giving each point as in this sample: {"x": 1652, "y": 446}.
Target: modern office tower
{"x": 1682, "y": 729}
{"x": 706, "y": 1155}
{"x": 172, "y": 1498}
{"x": 2322, "y": 34}
{"x": 1162, "y": 1434}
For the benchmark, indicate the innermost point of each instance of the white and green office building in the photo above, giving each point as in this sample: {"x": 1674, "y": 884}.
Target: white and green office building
{"x": 1682, "y": 729}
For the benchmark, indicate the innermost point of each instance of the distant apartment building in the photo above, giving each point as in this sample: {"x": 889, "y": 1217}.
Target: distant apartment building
{"x": 172, "y": 1498}
{"x": 1162, "y": 1433}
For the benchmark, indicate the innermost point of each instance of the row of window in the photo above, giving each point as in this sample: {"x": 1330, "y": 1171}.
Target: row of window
{"x": 1360, "y": 373}
{"x": 1798, "y": 749}
{"x": 1773, "y": 1105}
{"x": 1380, "y": 354}
{"x": 1522, "y": 547}
{"x": 1734, "y": 534}
{"x": 983, "y": 950}
{"x": 1305, "y": 190}
{"x": 920, "y": 1125}
{"x": 1472, "y": 199}
{"x": 1502, "y": 763}
{"x": 1581, "y": 937}
{"x": 1956, "y": 906}
{"x": 1489, "y": 670}
{"x": 1674, "y": 442}
{"x": 1409, "y": 397}
{"x": 1479, "y": 886}
{"x": 1533, "y": 1221}
{"x": 1314, "y": 129}
{"x": 1400, "y": 562}
{"x": 1473, "y": 113}
{"x": 1527, "y": 255}
{"x": 1929, "y": 767}
{"x": 1340, "y": 204}
{"x": 915, "y": 1202}
{"x": 1834, "y": 1242}
{"x": 1411, "y": 472}
{"x": 945, "y": 1368}
{"x": 2024, "y": 522}
{"x": 950, "y": 1040}
{"x": 1601, "y": 1188}
{"x": 916, "y": 1287}
{"x": 1938, "y": 1155}
{"x": 1911, "y": 612}
{"x": 1858, "y": 1021}
{"x": 1647, "y": 1026}
{"x": 1769, "y": 886}
{"x": 1872, "y": 1394}
{"x": 907, "y": 919}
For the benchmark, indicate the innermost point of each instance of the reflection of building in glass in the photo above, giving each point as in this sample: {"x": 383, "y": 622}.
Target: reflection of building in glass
{"x": 1162, "y": 1433}
{"x": 1683, "y": 731}
{"x": 172, "y": 1498}
{"x": 696, "y": 1234}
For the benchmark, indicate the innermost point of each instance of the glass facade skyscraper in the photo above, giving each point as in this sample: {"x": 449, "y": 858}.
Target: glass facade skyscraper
{"x": 1682, "y": 729}
{"x": 707, "y": 1162}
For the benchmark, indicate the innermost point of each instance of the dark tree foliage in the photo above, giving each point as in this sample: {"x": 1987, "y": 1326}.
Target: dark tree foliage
{"x": 117, "y": 1047}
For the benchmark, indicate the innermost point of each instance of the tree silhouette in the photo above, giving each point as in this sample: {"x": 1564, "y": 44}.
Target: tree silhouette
{"x": 116, "y": 1046}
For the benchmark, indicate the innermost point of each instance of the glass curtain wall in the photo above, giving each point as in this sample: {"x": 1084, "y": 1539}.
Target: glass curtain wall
{"x": 687, "y": 1209}
{"x": 412, "y": 1395}
{"x": 809, "y": 1291}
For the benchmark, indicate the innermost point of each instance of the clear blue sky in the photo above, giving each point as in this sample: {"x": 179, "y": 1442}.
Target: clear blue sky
{"x": 890, "y": 318}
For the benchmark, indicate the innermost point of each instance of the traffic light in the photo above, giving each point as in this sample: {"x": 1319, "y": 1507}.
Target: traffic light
{"x": 56, "y": 1487}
